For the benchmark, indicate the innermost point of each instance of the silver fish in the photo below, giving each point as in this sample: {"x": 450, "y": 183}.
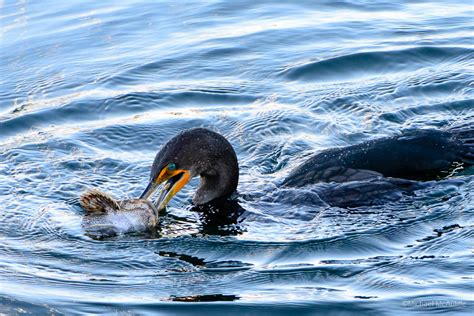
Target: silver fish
{"x": 106, "y": 216}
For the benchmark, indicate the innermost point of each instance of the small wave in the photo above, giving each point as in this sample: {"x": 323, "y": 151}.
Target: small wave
{"x": 125, "y": 105}
{"x": 346, "y": 67}
{"x": 462, "y": 107}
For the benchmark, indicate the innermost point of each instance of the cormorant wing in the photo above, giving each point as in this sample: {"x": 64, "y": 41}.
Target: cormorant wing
{"x": 415, "y": 154}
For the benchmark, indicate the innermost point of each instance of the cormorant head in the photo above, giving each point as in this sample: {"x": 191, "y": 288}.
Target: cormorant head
{"x": 194, "y": 152}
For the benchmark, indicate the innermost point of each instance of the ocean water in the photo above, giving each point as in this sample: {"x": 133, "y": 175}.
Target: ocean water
{"x": 90, "y": 90}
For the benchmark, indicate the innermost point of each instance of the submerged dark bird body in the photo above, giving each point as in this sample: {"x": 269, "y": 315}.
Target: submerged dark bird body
{"x": 380, "y": 165}
{"x": 416, "y": 154}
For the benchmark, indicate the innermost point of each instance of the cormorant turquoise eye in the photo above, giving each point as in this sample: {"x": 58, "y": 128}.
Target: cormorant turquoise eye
{"x": 171, "y": 167}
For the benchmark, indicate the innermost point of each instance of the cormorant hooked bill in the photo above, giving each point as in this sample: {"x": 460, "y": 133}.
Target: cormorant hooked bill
{"x": 415, "y": 154}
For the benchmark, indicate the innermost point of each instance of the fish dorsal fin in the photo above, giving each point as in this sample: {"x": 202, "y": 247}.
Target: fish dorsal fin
{"x": 97, "y": 202}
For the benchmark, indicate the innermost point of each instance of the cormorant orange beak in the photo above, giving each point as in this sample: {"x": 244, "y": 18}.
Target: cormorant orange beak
{"x": 175, "y": 181}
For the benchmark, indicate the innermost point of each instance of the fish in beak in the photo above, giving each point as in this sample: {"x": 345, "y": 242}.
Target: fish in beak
{"x": 170, "y": 181}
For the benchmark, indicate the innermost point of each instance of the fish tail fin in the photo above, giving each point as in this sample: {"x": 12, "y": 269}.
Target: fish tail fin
{"x": 97, "y": 202}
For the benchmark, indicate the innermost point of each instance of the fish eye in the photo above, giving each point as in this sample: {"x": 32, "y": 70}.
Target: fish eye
{"x": 172, "y": 167}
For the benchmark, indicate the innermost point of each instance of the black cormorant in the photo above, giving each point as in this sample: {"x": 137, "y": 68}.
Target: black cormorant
{"x": 419, "y": 154}
{"x": 194, "y": 152}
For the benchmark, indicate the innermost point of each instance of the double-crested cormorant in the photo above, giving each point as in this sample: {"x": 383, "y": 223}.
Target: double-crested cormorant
{"x": 415, "y": 154}
{"x": 191, "y": 153}
{"x": 106, "y": 216}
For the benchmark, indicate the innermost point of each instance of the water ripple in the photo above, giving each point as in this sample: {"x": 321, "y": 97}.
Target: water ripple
{"x": 379, "y": 63}
{"x": 88, "y": 95}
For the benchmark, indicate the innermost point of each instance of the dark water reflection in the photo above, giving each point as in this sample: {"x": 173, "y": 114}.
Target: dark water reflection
{"x": 90, "y": 91}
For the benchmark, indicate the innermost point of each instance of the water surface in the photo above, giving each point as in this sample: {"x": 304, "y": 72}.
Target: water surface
{"x": 89, "y": 91}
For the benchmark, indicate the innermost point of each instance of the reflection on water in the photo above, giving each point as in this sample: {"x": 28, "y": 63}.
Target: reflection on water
{"x": 89, "y": 93}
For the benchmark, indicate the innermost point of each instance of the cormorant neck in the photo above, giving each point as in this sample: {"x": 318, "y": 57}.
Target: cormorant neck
{"x": 219, "y": 181}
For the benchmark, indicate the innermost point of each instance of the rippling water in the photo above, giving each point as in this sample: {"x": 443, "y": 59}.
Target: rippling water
{"x": 89, "y": 91}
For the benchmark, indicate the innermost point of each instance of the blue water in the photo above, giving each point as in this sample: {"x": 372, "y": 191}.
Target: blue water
{"x": 90, "y": 90}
